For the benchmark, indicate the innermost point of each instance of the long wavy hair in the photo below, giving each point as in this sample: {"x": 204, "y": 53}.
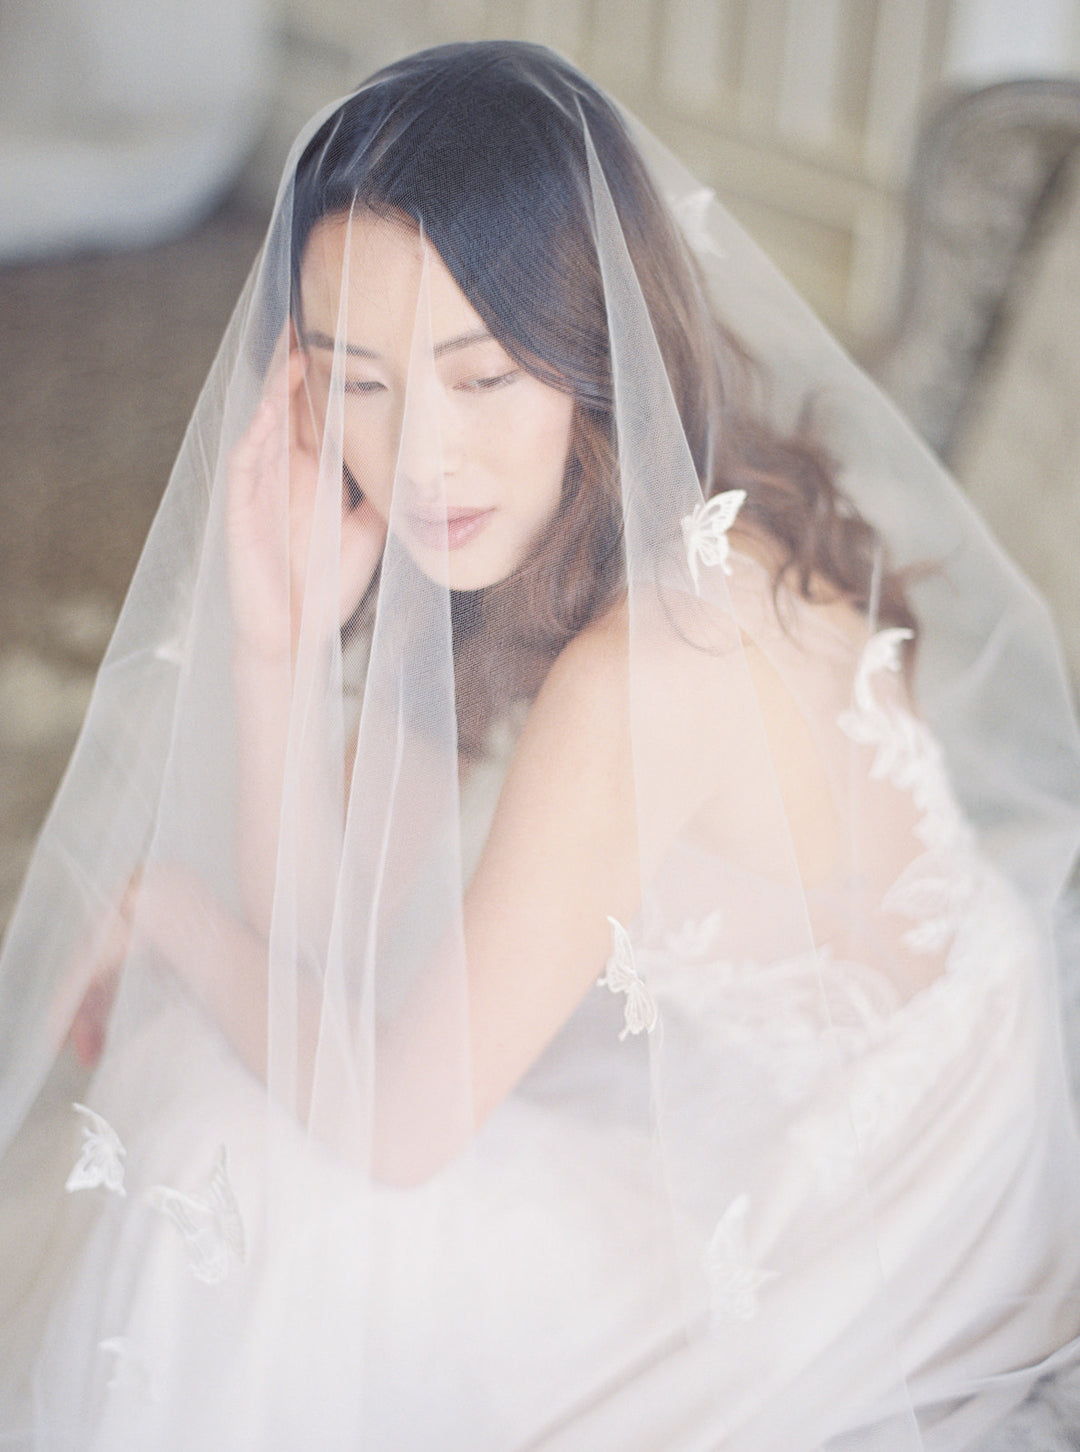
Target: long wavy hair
{"x": 483, "y": 147}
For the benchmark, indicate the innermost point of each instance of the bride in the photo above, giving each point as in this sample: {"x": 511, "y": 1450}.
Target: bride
{"x": 553, "y": 890}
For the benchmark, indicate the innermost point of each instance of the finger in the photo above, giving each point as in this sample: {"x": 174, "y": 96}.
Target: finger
{"x": 90, "y": 984}
{"x": 88, "y": 1030}
{"x": 248, "y": 457}
{"x": 279, "y": 358}
{"x": 248, "y": 445}
{"x": 248, "y": 454}
{"x": 303, "y": 434}
{"x": 98, "y": 956}
{"x": 278, "y": 380}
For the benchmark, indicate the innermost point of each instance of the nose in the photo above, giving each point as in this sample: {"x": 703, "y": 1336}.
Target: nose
{"x": 428, "y": 448}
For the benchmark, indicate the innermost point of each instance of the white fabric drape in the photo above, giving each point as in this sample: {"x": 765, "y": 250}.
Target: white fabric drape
{"x": 578, "y": 983}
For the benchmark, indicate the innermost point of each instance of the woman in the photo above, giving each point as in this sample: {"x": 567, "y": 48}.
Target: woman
{"x": 559, "y": 999}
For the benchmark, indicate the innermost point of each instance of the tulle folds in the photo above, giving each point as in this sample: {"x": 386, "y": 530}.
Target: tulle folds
{"x": 552, "y": 902}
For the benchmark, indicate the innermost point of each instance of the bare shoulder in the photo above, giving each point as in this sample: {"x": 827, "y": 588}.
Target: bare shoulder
{"x": 633, "y": 719}
{"x": 581, "y": 715}
{"x": 591, "y": 672}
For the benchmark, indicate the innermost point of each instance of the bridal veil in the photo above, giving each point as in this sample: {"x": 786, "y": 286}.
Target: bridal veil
{"x": 791, "y": 1161}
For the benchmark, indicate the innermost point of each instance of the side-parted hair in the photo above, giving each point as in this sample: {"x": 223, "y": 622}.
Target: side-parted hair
{"x": 482, "y": 148}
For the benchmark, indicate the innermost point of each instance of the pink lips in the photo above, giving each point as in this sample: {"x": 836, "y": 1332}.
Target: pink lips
{"x": 449, "y": 529}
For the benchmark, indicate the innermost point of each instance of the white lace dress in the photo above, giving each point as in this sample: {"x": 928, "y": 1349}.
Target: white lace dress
{"x": 858, "y": 1231}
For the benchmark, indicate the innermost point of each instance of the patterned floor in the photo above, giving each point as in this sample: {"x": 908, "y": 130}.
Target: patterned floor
{"x": 103, "y": 360}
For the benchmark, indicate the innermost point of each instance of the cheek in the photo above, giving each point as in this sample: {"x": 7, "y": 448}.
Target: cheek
{"x": 369, "y": 449}
{"x": 545, "y": 449}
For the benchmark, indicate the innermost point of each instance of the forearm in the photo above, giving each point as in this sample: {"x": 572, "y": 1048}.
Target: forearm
{"x": 286, "y": 800}
{"x": 394, "y": 1102}
{"x": 261, "y": 688}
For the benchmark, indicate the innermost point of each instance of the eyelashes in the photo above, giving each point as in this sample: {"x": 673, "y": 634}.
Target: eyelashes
{"x": 490, "y": 382}
{"x": 483, "y": 383}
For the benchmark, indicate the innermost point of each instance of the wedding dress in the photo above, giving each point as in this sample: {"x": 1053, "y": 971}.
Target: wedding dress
{"x": 794, "y": 1164}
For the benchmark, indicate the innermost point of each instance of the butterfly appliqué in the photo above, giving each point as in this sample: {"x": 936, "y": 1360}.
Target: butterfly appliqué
{"x": 622, "y": 977}
{"x": 101, "y": 1159}
{"x": 209, "y": 1223}
{"x": 128, "y": 1369}
{"x": 172, "y": 651}
{"x": 705, "y": 532}
{"x": 734, "y": 1278}
{"x": 692, "y": 213}
{"x": 892, "y": 731}
{"x": 697, "y": 938}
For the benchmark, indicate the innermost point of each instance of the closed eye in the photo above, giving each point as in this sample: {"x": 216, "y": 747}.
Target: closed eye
{"x": 489, "y": 382}
{"x": 364, "y": 385}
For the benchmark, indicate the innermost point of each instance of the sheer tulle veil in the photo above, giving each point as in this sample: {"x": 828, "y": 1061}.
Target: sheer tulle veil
{"x": 567, "y": 835}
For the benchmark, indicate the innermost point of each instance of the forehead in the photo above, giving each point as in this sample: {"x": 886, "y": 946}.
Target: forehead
{"x": 364, "y": 277}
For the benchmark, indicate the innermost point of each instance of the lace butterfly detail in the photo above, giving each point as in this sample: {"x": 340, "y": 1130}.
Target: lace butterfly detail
{"x": 693, "y": 216}
{"x": 894, "y": 732}
{"x": 622, "y": 977}
{"x": 101, "y": 1159}
{"x": 128, "y": 1371}
{"x": 705, "y": 532}
{"x": 936, "y": 888}
{"x": 697, "y": 938}
{"x": 172, "y": 651}
{"x": 734, "y": 1278}
{"x": 209, "y": 1223}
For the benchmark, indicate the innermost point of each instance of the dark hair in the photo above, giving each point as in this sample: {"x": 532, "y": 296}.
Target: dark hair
{"x": 483, "y": 147}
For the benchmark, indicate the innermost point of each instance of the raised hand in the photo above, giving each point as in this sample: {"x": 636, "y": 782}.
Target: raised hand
{"x": 273, "y": 476}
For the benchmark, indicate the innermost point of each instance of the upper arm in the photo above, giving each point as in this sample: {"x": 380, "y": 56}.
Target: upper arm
{"x": 606, "y": 774}
{"x": 561, "y": 856}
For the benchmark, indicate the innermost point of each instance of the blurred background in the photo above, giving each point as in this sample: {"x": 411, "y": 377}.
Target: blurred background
{"x": 912, "y": 165}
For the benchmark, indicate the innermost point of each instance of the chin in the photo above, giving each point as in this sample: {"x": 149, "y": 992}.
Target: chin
{"x": 453, "y": 571}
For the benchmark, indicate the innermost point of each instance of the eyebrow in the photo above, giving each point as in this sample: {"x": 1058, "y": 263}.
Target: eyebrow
{"x": 355, "y": 350}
